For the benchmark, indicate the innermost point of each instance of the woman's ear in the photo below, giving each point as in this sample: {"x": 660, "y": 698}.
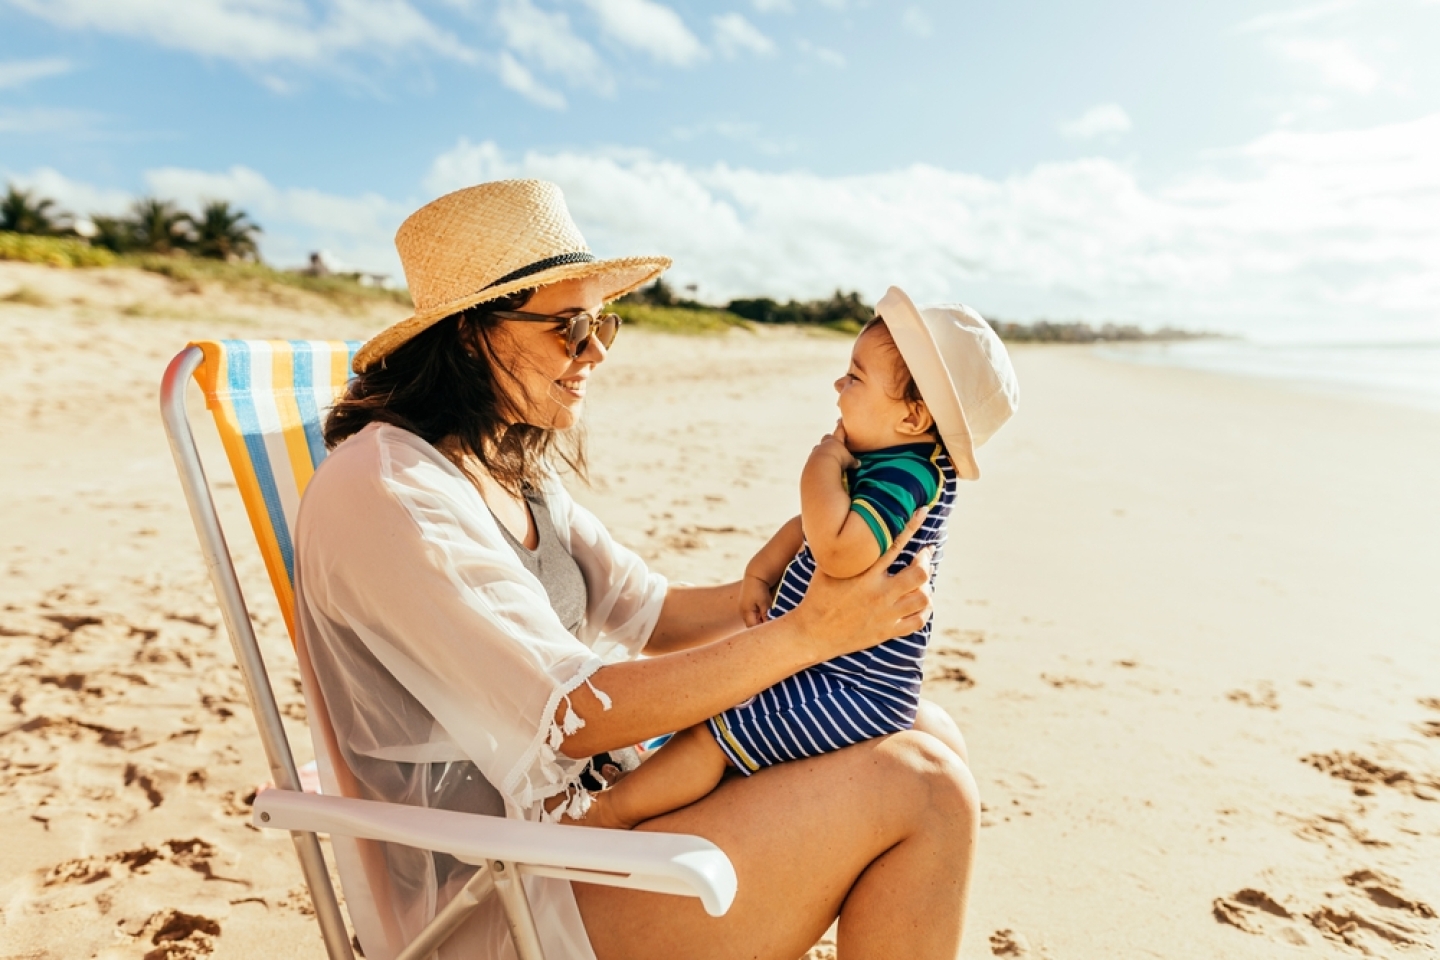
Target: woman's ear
{"x": 917, "y": 420}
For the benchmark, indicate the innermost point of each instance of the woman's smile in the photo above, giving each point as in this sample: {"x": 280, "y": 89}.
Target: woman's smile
{"x": 574, "y": 386}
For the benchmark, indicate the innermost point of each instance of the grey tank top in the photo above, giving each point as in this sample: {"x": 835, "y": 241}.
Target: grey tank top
{"x": 552, "y": 565}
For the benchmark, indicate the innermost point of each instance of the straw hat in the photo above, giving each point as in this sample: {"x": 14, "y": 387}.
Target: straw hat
{"x": 962, "y": 370}
{"x": 486, "y": 242}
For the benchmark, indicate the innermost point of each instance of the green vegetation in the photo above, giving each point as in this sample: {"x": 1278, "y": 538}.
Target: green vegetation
{"x": 22, "y": 212}
{"x": 847, "y": 313}
{"x": 194, "y": 272}
{"x": 53, "y": 251}
{"x": 257, "y": 278}
{"x": 1047, "y": 331}
{"x": 657, "y": 306}
{"x": 678, "y": 319}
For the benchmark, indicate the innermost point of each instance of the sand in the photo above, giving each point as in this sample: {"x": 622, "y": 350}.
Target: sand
{"x": 1186, "y": 622}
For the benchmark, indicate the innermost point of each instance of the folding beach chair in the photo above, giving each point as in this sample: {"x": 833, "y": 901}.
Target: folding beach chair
{"x": 268, "y": 398}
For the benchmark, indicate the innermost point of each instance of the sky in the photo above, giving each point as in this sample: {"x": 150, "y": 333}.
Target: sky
{"x": 1269, "y": 167}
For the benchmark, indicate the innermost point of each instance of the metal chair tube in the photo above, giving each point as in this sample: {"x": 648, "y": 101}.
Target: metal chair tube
{"x": 511, "y": 888}
{"x": 448, "y": 920}
{"x": 242, "y": 639}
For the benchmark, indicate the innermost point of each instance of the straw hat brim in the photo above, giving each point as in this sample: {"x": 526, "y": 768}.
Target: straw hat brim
{"x": 922, "y": 355}
{"x": 621, "y": 275}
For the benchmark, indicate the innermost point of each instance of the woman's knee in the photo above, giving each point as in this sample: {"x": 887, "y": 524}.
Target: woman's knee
{"x": 930, "y": 769}
{"x": 931, "y": 718}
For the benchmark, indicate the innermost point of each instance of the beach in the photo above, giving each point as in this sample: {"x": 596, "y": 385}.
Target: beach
{"x": 1185, "y": 620}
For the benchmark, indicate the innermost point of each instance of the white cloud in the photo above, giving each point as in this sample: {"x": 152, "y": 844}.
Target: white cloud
{"x": 1305, "y": 234}
{"x": 734, "y": 35}
{"x": 296, "y": 221}
{"x": 514, "y": 76}
{"x": 825, "y": 55}
{"x": 749, "y": 134}
{"x": 1105, "y": 118}
{"x": 17, "y": 73}
{"x": 1338, "y": 63}
{"x": 773, "y": 6}
{"x": 650, "y": 27}
{"x": 53, "y": 120}
{"x": 1289, "y": 18}
{"x": 259, "y": 31}
{"x": 545, "y": 39}
{"x": 917, "y": 22}
{"x": 80, "y": 199}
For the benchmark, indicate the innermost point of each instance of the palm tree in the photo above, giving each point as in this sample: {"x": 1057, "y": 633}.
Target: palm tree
{"x": 22, "y": 212}
{"x": 113, "y": 233}
{"x": 159, "y": 226}
{"x": 225, "y": 233}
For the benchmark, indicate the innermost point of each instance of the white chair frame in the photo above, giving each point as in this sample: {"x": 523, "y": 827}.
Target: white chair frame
{"x": 504, "y": 850}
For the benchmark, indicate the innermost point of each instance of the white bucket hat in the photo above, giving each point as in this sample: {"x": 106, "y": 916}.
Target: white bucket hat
{"x": 961, "y": 368}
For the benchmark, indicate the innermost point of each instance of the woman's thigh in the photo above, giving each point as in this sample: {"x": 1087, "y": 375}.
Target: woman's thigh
{"x": 799, "y": 835}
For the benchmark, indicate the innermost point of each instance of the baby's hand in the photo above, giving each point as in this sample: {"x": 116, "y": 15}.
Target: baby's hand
{"x": 833, "y": 445}
{"x": 755, "y": 596}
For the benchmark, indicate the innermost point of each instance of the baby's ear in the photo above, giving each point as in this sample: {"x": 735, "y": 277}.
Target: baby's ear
{"x": 917, "y": 420}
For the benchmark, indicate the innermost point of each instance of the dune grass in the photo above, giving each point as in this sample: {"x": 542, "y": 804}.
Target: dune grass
{"x": 195, "y": 272}
{"x": 679, "y": 319}
{"x": 65, "y": 252}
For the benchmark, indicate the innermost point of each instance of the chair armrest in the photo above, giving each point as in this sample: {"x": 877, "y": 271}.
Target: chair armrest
{"x": 659, "y": 862}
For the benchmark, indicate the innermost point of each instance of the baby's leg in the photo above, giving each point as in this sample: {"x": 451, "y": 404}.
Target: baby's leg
{"x": 687, "y": 768}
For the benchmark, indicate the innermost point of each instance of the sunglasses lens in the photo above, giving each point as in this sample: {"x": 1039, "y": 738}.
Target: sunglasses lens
{"x": 606, "y": 329}
{"x": 577, "y": 338}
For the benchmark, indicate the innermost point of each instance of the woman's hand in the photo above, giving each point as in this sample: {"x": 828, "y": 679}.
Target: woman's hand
{"x": 843, "y": 616}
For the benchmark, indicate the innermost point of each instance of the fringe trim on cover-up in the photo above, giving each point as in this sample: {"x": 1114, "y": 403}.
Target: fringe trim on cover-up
{"x": 545, "y": 751}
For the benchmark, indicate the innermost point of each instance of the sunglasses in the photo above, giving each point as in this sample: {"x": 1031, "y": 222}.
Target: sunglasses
{"x": 579, "y": 328}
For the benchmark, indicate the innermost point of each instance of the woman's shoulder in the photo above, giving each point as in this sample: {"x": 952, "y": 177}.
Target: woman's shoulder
{"x": 376, "y": 461}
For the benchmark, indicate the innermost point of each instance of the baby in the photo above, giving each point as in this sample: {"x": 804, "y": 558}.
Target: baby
{"x": 923, "y": 390}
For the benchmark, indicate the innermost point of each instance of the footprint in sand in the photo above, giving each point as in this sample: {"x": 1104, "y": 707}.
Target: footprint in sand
{"x": 942, "y": 666}
{"x": 1336, "y": 829}
{"x": 1263, "y": 697}
{"x": 1369, "y": 915}
{"x": 1009, "y": 943}
{"x": 1429, "y": 728}
{"x": 175, "y": 935}
{"x": 1064, "y": 682}
{"x": 1365, "y": 775}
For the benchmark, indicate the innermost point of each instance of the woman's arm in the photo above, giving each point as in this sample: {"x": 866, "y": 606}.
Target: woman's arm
{"x": 657, "y": 695}
{"x": 693, "y": 616}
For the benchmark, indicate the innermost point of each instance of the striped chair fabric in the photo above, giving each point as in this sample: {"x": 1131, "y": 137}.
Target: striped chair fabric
{"x": 269, "y": 399}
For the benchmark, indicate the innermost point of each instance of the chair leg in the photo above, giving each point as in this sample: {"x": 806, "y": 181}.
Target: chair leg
{"x": 438, "y": 930}
{"x": 517, "y": 910}
{"x": 322, "y": 895}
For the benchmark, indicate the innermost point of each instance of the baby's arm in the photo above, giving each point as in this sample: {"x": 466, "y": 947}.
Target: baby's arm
{"x": 765, "y": 569}
{"x": 839, "y": 538}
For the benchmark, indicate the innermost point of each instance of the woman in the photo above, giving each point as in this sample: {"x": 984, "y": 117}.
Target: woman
{"x": 469, "y": 636}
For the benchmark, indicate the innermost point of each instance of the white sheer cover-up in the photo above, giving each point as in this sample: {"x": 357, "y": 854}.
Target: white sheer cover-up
{"x": 433, "y": 666}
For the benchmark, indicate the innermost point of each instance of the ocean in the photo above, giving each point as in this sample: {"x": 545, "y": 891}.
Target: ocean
{"x": 1404, "y": 373}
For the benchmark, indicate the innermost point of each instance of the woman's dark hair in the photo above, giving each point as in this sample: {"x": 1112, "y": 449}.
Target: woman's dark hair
{"x": 911, "y": 393}
{"x": 442, "y": 383}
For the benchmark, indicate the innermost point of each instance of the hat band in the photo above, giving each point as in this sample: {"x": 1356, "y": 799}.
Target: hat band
{"x": 539, "y": 265}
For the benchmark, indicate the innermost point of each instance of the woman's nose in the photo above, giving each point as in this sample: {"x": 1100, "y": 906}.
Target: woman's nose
{"x": 839, "y": 384}
{"x": 594, "y": 351}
